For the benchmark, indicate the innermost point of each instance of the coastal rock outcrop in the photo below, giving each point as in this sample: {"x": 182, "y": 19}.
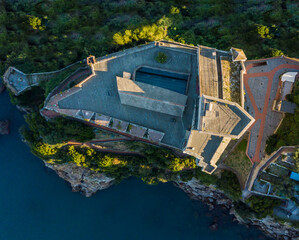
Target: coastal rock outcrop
{"x": 2, "y": 87}
{"x": 81, "y": 179}
{"x": 24, "y": 109}
{"x": 4, "y": 127}
{"x": 214, "y": 197}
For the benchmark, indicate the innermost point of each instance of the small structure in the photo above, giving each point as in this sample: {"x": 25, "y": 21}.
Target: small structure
{"x": 90, "y": 60}
{"x": 16, "y": 80}
{"x": 286, "y": 83}
{"x": 294, "y": 176}
{"x": 238, "y": 54}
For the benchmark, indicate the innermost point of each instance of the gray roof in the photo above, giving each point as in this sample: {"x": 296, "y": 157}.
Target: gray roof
{"x": 208, "y": 76}
{"x": 288, "y": 107}
{"x": 146, "y": 96}
{"x": 223, "y": 118}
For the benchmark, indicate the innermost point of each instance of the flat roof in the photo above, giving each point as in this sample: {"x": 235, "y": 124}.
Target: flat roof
{"x": 208, "y": 75}
{"x": 218, "y": 118}
{"x": 223, "y": 118}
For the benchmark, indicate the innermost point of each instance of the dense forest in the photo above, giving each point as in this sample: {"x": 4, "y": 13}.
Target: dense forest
{"x": 47, "y": 35}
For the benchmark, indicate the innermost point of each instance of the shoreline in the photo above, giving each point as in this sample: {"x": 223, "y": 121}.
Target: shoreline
{"x": 214, "y": 197}
{"x": 88, "y": 183}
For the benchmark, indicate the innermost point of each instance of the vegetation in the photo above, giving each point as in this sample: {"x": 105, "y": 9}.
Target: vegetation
{"x": 239, "y": 161}
{"x": 229, "y": 183}
{"x": 48, "y": 35}
{"x": 56, "y": 131}
{"x": 296, "y": 159}
{"x": 257, "y": 206}
{"x": 49, "y": 85}
{"x": 31, "y": 98}
{"x": 263, "y": 206}
{"x": 288, "y": 132}
{"x": 161, "y": 57}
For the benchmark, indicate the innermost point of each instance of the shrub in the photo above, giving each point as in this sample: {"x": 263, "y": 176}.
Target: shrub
{"x": 229, "y": 183}
{"x": 161, "y": 57}
{"x": 263, "y": 206}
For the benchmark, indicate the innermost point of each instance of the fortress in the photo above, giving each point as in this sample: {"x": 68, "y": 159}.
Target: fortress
{"x": 193, "y": 102}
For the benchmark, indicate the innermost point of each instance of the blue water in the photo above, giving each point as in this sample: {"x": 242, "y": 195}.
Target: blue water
{"x": 35, "y": 204}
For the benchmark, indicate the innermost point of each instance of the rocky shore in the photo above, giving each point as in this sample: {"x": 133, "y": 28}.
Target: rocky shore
{"x": 88, "y": 182}
{"x": 214, "y": 197}
{"x": 4, "y": 127}
{"x": 81, "y": 179}
{"x": 2, "y": 87}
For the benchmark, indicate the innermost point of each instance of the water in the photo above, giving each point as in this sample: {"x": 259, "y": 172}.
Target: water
{"x": 37, "y": 204}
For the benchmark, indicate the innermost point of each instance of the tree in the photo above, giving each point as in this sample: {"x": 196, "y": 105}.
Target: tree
{"x": 36, "y": 23}
{"x": 263, "y": 31}
{"x": 263, "y": 206}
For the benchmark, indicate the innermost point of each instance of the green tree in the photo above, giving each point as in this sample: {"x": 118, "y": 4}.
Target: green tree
{"x": 35, "y": 23}
{"x": 263, "y": 31}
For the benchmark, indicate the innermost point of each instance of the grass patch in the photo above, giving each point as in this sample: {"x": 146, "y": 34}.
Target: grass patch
{"x": 239, "y": 161}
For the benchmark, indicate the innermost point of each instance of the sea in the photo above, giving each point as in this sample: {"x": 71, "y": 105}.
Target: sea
{"x": 35, "y": 204}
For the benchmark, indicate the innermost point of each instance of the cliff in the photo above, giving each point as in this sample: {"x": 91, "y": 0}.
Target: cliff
{"x": 81, "y": 179}
{"x": 213, "y": 197}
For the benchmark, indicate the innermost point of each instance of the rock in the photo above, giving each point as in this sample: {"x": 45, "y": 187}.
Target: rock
{"x": 82, "y": 179}
{"x": 4, "y": 127}
{"x": 214, "y": 197}
{"x": 214, "y": 226}
{"x": 24, "y": 109}
{"x": 2, "y": 87}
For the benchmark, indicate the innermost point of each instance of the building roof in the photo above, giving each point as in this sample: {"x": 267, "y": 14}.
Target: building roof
{"x": 288, "y": 107}
{"x": 294, "y": 176}
{"x": 196, "y": 143}
{"x": 146, "y": 96}
{"x": 218, "y": 118}
{"x": 289, "y": 76}
{"x": 208, "y": 75}
{"x": 223, "y": 118}
{"x": 238, "y": 54}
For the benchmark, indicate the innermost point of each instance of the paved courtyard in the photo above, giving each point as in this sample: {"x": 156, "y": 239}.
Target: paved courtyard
{"x": 99, "y": 94}
{"x": 261, "y": 83}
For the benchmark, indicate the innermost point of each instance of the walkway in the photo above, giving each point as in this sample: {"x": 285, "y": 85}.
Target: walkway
{"x": 264, "y": 163}
{"x": 269, "y": 73}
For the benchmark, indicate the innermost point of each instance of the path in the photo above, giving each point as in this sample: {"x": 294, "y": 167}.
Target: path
{"x": 264, "y": 163}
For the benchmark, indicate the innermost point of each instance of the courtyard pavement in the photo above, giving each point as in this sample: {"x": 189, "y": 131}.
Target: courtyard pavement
{"x": 261, "y": 85}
